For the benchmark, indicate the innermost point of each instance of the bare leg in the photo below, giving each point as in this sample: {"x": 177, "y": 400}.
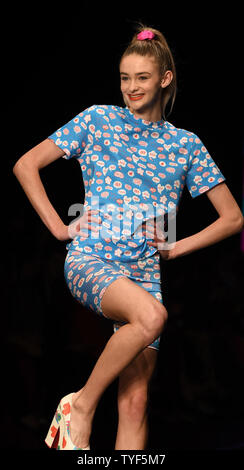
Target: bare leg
{"x": 120, "y": 350}
{"x": 133, "y": 391}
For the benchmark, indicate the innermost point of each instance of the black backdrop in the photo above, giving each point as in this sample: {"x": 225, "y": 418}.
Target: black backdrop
{"x": 56, "y": 62}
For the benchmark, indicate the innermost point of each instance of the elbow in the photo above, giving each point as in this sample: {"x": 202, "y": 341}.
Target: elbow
{"x": 238, "y": 223}
{"x": 17, "y": 166}
{"x": 21, "y": 166}
{"x": 241, "y": 224}
{"x": 234, "y": 223}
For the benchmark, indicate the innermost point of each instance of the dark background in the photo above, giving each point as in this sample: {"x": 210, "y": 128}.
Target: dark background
{"x": 56, "y": 62}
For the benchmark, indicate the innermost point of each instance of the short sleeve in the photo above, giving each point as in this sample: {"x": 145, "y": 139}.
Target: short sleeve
{"x": 203, "y": 173}
{"x": 74, "y": 136}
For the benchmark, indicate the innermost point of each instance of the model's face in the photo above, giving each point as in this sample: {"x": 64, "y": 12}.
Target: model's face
{"x": 141, "y": 83}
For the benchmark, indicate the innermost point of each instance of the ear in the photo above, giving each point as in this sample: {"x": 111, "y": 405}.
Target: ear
{"x": 167, "y": 79}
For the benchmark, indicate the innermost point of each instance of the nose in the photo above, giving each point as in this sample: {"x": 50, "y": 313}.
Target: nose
{"x": 133, "y": 86}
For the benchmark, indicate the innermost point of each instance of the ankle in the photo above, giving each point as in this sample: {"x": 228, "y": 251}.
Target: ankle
{"x": 81, "y": 405}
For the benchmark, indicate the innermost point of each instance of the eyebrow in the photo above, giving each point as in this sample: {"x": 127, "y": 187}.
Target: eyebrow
{"x": 140, "y": 73}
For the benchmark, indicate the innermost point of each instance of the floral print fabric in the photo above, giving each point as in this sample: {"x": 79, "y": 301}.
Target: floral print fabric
{"x": 88, "y": 276}
{"x": 133, "y": 170}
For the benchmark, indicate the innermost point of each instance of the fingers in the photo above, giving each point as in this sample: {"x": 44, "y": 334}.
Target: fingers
{"x": 149, "y": 232}
{"x": 82, "y": 226}
{"x": 89, "y": 218}
{"x": 155, "y": 236}
{"x": 91, "y": 227}
{"x": 153, "y": 232}
{"x": 96, "y": 219}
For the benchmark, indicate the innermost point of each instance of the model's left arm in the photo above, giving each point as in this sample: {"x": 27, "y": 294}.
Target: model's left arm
{"x": 229, "y": 222}
{"x": 204, "y": 176}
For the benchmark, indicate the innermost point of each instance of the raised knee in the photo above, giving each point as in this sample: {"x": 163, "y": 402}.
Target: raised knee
{"x": 133, "y": 406}
{"x": 155, "y": 321}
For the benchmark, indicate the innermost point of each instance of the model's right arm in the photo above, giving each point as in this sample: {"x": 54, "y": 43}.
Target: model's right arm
{"x": 27, "y": 170}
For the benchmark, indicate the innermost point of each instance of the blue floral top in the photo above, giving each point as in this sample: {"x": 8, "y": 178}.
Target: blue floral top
{"x": 133, "y": 170}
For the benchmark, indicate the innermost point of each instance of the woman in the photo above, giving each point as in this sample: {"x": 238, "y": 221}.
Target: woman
{"x": 135, "y": 165}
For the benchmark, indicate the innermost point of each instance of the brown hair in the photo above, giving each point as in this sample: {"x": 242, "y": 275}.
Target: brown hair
{"x": 158, "y": 48}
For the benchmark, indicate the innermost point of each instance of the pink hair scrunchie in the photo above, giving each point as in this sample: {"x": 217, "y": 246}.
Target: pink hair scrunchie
{"x": 146, "y": 34}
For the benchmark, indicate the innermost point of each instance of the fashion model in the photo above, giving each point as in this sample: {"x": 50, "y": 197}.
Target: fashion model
{"x": 134, "y": 165}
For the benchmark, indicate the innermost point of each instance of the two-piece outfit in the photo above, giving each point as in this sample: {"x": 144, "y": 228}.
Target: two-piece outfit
{"x": 133, "y": 171}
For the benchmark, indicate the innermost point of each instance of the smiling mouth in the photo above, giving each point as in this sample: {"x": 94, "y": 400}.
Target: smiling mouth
{"x": 135, "y": 97}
